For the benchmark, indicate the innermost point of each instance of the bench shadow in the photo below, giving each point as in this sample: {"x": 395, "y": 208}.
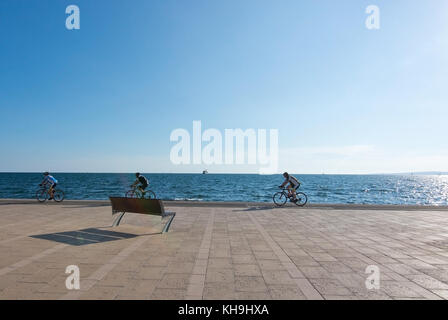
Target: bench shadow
{"x": 85, "y": 236}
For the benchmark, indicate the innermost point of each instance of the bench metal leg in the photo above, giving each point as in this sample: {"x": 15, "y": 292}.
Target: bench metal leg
{"x": 118, "y": 219}
{"x": 171, "y": 216}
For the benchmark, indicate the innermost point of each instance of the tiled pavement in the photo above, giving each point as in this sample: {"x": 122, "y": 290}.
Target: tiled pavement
{"x": 223, "y": 253}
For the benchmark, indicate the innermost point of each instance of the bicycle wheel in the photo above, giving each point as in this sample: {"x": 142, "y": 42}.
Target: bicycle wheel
{"x": 149, "y": 195}
{"x": 302, "y": 199}
{"x": 138, "y": 194}
{"x": 42, "y": 195}
{"x": 58, "y": 195}
{"x": 279, "y": 198}
{"x": 130, "y": 194}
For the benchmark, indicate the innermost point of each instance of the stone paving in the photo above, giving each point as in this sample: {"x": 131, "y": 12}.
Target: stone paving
{"x": 218, "y": 252}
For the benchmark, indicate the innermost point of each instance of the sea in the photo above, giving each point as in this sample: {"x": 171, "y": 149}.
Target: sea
{"x": 320, "y": 188}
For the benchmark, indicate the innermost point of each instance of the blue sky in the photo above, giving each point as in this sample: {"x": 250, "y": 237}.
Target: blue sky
{"x": 105, "y": 98}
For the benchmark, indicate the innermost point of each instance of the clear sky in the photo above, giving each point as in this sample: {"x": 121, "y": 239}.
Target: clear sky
{"x": 105, "y": 98}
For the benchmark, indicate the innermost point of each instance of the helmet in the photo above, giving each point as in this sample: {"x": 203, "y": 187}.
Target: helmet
{"x": 46, "y": 173}
{"x": 285, "y": 174}
{"x": 137, "y": 174}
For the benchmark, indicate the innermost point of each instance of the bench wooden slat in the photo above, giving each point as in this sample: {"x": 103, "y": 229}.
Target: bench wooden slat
{"x": 135, "y": 205}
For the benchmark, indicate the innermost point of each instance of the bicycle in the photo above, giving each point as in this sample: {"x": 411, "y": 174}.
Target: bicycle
{"x": 43, "y": 194}
{"x": 136, "y": 192}
{"x": 281, "y": 197}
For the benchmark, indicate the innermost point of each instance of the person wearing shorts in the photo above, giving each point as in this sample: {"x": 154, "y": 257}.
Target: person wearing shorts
{"x": 50, "y": 181}
{"x": 294, "y": 184}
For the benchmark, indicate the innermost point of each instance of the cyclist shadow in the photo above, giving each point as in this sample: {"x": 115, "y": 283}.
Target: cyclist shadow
{"x": 265, "y": 208}
{"x": 257, "y": 208}
{"x": 86, "y": 206}
{"x": 87, "y": 236}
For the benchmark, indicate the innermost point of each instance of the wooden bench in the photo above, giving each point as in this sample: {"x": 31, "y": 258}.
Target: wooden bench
{"x": 121, "y": 205}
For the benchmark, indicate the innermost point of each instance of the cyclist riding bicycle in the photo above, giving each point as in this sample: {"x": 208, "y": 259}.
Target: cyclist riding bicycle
{"x": 142, "y": 181}
{"x": 51, "y": 181}
{"x": 292, "y": 187}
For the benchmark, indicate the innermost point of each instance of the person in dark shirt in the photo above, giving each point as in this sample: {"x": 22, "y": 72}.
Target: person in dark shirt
{"x": 141, "y": 181}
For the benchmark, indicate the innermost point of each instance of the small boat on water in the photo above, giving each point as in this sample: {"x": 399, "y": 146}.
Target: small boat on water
{"x": 205, "y": 171}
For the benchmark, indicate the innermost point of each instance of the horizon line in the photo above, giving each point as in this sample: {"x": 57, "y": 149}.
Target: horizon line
{"x": 238, "y": 173}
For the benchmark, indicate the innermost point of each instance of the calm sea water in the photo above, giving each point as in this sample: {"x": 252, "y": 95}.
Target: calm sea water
{"x": 360, "y": 189}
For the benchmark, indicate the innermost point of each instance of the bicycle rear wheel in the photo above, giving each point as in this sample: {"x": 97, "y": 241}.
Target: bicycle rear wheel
{"x": 130, "y": 194}
{"x": 42, "y": 195}
{"x": 279, "y": 198}
{"x": 302, "y": 199}
{"x": 58, "y": 195}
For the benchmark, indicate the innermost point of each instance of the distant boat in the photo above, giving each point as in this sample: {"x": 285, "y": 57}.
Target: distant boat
{"x": 205, "y": 171}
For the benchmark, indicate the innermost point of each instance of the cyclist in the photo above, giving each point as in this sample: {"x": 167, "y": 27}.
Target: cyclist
{"x": 292, "y": 187}
{"x": 51, "y": 181}
{"x": 142, "y": 181}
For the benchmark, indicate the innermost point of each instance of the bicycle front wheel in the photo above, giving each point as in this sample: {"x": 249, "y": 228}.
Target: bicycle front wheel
{"x": 150, "y": 195}
{"x": 41, "y": 195}
{"x": 279, "y": 198}
{"x": 58, "y": 195}
{"x": 302, "y": 199}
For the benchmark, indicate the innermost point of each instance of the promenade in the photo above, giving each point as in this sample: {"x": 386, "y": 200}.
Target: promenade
{"x": 223, "y": 251}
